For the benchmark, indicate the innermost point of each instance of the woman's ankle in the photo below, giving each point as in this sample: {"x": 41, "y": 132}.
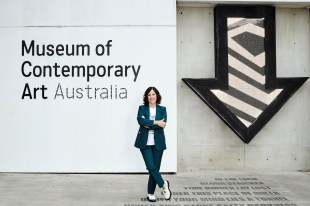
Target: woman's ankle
{"x": 164, "y": 186}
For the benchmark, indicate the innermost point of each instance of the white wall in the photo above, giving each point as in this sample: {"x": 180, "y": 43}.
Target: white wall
{"x": 84, "y": 135}
{"x": 86, "y": 13}
{"x": 284, "y": 143}
{"x": 73, "y": 136}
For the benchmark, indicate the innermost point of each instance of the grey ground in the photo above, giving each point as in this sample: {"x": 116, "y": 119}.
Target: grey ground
{"x": 227, "y": 188}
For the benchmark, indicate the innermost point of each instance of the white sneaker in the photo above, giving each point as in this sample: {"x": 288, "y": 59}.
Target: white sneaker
{"x": 167, "y": 191}
{"x": 151, "y": 198}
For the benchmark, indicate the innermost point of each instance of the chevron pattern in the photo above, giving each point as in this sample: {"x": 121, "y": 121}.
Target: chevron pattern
{"x": 246, "y": 97}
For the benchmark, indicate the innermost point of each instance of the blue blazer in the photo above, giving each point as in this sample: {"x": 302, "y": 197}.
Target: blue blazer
{"x": 146, "y": 124}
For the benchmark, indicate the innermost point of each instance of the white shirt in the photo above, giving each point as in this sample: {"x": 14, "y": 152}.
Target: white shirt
{"x": 150, "y": 139}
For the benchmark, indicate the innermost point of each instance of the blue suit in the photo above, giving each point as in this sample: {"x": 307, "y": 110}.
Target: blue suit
{"x": 146, "y": 124}
{"x": 152, "y": 154}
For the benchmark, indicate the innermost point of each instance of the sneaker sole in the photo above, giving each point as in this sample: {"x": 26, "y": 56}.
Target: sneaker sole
{"x": 150, "y": 199}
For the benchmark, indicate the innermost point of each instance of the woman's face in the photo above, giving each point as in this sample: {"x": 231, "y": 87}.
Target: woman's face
{"x": 152, "y": 97}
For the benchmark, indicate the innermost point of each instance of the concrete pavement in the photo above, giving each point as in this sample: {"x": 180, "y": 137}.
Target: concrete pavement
{"x": 223, "y": 188}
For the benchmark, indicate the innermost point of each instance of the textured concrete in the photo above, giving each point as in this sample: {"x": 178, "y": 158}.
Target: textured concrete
{"x": 229, "y": 188}
{"x": 283, "y": 144}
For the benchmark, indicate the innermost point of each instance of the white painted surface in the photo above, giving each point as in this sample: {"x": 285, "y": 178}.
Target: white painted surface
{"x": 85, "y": 135}
{"x": 86, "y": 13}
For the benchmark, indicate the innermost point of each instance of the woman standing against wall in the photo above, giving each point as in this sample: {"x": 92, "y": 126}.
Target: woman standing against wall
{"x": 150, "y": 140}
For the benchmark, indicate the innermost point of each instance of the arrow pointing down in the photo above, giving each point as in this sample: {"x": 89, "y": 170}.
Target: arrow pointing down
{"x": 246, "y": 93}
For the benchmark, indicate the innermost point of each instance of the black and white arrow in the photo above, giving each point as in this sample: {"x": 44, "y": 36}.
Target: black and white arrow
{"x": 245, "y": 93}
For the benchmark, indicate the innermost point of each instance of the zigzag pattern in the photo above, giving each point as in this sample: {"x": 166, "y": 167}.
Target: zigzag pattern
{"x": 246, "y": 97}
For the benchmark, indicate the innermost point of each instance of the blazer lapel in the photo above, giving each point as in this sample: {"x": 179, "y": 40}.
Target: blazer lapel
{"x": 147, "y": 112}
{"x": 157, "y": 117}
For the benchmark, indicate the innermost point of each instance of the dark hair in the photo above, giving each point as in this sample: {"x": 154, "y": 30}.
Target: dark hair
{"x": 147, "y": 91}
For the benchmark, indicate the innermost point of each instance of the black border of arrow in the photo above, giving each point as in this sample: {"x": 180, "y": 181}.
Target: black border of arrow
{"x": 201, "y": 87}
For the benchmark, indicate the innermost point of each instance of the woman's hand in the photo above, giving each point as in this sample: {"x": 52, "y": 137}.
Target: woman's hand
{"x": 160, "y": 123}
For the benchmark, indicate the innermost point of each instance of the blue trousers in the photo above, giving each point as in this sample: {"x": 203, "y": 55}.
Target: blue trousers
{"x": 152, "y": 158}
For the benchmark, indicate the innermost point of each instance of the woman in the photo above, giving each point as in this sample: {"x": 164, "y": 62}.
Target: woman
{"x": 151, "y": 140}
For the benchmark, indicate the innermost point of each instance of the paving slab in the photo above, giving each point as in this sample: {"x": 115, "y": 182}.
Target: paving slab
{"x": 222, "y": 188}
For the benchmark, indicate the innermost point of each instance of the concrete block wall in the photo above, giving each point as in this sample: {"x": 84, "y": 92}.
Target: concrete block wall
{"x": 204, "y": 141}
